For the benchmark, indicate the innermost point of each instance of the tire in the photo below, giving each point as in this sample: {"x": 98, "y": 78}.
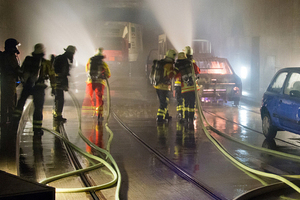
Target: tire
{"x": 269, "y": 144}
{"x": 269, "y": 130}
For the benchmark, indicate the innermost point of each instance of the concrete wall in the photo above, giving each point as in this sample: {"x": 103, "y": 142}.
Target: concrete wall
{"x": 233, "y": 26}
{"x": 4, "y": 25}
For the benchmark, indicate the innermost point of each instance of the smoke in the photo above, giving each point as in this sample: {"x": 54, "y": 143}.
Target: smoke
{"x": 56, "y": 24}
{"x": 175, "y": 18}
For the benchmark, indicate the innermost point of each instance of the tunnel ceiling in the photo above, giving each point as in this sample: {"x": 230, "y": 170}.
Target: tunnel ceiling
{"x": 122, "y": 3}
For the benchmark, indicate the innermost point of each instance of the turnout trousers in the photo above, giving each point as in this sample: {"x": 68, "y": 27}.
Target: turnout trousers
{"x": 58, "y": 103}
{"x": 178, "y": 97}
{"x": 98, "y": 88}
{"x": 38, "y": 93}
{"x": 188, "y": 105}
{"x": 163, "y": 96}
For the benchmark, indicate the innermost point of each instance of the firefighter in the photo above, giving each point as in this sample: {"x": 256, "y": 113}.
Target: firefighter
{"x": 189, "y": 54}
{"x": 62, "y": 65}
{"x": 36, "y": 69}
{"x": 178, "y": 97}
{"x": 10, "y": 71}
{"x": 164, "y": 87}
{"x": 97, "y": 71}
{"x": 184, "y": 67}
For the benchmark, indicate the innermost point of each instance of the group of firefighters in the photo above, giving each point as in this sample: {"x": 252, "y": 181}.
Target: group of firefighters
{"x": 33, "y": 73}
{"x": 184, "y": 70}
{"x": 35, "y": 70}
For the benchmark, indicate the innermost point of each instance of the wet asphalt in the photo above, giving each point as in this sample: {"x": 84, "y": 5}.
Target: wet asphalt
{"x": 144, "y": 175}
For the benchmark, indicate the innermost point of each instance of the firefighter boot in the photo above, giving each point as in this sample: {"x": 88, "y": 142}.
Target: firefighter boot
{"x": 60, "y": 119}
{"x": 160, "y": 119}
{"x": 191, "y": 120}
{"x": 179, "y": 115}
{"x": 168, "y": 117}
{"x": 37, "y": 134}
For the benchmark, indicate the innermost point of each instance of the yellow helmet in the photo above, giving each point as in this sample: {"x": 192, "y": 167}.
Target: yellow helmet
{"x": 99, "y": 51}
{"x": 71, "y": 49}
{"x": 181, "y": 56}
{"x": 188, "y": 50}
{"x": 39, "y": 49}
{"x": 171, "y": 54}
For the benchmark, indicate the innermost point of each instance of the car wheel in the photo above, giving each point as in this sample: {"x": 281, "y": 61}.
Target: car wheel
{"x": 269, "y": 144}
{"x": 269, "y": 130}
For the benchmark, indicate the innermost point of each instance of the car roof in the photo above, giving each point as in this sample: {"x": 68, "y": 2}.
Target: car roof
{"x": 290, "y": 69}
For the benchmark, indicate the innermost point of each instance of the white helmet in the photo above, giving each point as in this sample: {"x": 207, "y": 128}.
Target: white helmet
{"x": 188, "y": 50}
{"x": 181, "y": 56}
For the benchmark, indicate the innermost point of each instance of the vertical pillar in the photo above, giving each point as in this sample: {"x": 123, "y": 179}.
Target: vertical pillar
{"x": 255, "y": 65}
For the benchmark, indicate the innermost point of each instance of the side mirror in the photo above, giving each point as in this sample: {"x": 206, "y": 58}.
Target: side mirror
{"x": 295, "y": 93}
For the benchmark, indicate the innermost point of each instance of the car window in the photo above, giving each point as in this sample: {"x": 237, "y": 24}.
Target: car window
{"x": 214, "y": 67}
{"x": 278, "y": 83}
{"x": 293, "y": 83}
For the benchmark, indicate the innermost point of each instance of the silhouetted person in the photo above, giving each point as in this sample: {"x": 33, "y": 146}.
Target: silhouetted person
{"x": 10, "y": 70}
{"x": 186, "y": 70}
{"x": 163, "y": 86}
{"x": 62, "y": 65}
{"x": 36, "y": 69}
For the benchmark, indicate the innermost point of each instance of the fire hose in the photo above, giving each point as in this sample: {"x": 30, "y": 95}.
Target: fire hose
{"x": 237, "y": 163}
{"x": 112, "y": 168}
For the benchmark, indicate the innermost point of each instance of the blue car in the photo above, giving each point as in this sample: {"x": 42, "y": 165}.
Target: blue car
{"x": 280, "y": 109}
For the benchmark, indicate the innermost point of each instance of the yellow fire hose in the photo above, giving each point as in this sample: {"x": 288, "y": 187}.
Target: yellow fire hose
{"x": 113, "y": 169}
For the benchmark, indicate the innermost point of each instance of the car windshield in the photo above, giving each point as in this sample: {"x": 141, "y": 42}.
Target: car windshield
{"x": 214, "y": 67}
{"x": 112, "y": 43}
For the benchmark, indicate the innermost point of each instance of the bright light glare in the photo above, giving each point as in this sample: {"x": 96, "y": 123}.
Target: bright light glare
{"x": 244, "y": 93}
{"x": 175, "y": 18}
{"x": 244, "y": 72}
{"x": 56, "y": 24}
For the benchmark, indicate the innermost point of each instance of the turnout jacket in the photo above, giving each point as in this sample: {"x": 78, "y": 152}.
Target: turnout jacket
{"x": 105, "y": 71}
{"x": 62, "y": 67}
{"x": 9, "y": 64}
{"x": 178, "y": 77}
{"x": 169, "y": 73}
{"x": 44, "y": 72}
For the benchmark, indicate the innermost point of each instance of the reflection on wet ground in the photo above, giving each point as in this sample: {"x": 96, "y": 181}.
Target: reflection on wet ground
{"x": 134, "y": 101}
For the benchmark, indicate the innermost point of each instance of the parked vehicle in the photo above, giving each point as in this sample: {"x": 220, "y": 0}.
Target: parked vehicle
{"x": 219, "y": 82}
{"x": 280, "y": 110}
{"x": 153, "y": 55}
{"x": 122, "y": 41}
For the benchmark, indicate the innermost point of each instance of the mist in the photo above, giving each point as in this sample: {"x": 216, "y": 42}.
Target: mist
{"x": 175, "y": 18}
{"x": 57, "y": 24}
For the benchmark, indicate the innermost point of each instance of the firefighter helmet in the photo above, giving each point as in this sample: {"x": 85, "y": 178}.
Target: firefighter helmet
{"x": 171, "y": 54}
{"x": 71, "y": 49}
{"x": 181, "y": 56}
{"x": 39, "y": 49}
{"x": 99, "y": 52}
{"x": 11, "y": 45}
{"x": 188, "y": 50}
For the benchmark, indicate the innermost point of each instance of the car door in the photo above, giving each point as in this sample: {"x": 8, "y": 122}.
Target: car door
{"x": 289, "y": 104}
{"x": 273, "y": 95}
